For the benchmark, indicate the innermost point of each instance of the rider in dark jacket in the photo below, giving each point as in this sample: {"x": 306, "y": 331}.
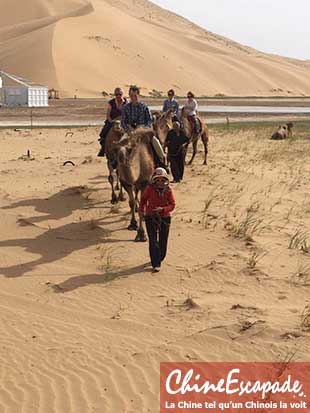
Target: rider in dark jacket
{"x": 177, "y": 142}
{"x": 135, "y": 113}
{"x": 114, "y": 112}
{"x": 173, "y": 104}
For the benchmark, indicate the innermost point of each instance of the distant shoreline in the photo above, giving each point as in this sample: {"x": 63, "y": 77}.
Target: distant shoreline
{"x": 91, "y": 112}
{"x": 234, "y": 122}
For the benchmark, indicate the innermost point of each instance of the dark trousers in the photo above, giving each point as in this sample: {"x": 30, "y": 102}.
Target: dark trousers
{"x": 158, "y": 233}
{"x": 177, "y": 164}
{"x": 104, "y": 132}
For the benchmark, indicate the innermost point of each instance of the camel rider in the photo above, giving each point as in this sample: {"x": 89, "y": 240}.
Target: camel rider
{"x": 173, "y": 104}
{"x": 190, "y": 109}
{"x": 136, "y": 114}
{"x": 114, "y": 112}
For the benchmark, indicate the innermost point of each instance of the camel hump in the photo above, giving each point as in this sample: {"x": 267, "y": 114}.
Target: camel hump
{"x": 142, "y": 135}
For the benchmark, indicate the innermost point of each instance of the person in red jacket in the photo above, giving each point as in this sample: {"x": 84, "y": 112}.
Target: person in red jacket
{"x": 157, "y": 203}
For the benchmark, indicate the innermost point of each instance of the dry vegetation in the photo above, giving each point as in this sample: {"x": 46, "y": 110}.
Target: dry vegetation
{"x": 258, "y": 187}
{"x": 258, "y": 192}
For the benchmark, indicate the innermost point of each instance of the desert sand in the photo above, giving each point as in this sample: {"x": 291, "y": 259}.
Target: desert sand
{"x": 84, "y": 323}
{"x": 86, "y": 47}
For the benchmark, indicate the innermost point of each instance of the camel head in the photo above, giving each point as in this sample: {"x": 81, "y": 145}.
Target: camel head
{"x": 124, "y": 155}
{"x": 124, "y": 148}
{"x": 117, "y": 125}
{"x": 290, "y": 126}
{"x": 163, "y": 124}
{"x": 130, "y": 142}
{"x": 283, "y": 132}
{"x": 156, "y": 117}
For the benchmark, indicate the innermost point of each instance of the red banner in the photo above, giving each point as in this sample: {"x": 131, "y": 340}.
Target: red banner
{"x": 234, "y": 387}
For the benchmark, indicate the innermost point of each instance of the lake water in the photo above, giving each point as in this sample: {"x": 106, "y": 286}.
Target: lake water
{"x": 249, "y": 109}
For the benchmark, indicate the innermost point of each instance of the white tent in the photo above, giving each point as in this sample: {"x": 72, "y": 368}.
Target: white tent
{"x": 17, "y": 91}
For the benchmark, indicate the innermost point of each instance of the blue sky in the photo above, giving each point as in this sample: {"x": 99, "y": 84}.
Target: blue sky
{"x": 274, "y": 26}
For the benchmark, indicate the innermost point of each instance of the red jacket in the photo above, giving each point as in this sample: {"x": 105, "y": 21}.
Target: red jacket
{"x": 152, "y": 199}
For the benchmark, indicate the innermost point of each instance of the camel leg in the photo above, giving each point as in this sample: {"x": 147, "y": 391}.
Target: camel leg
{"x": 117, "y": 186}
{"x": 205, "y": 140}
{"x": 118, "y": 182}
{"x": 111, "y": 180}
{"x": 137, "y": 201}
{"x": 141, "y": 237}
{"x": 121, "y": 196}
{"x": 132, "y": 204}
{"x": 195, "y": 143}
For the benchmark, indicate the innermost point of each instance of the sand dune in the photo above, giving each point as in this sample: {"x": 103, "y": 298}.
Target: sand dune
{"x": 87, "y": 47}
{"x": 84, "y": 324}
{"x": 27, "y": 40}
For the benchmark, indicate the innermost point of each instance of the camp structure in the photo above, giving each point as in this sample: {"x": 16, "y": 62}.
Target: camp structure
{"x": 16, "y": 91}
{"x": 53, "y": 94}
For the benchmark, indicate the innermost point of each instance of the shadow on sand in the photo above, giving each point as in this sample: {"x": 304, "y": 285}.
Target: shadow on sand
{"x": 57, "y": 243}
{"x": 58, "y": 206}
{"x": 74, "y": 283}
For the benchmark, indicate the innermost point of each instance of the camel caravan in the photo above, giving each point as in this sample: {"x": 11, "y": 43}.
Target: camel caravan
{"x": 134, "y": 143}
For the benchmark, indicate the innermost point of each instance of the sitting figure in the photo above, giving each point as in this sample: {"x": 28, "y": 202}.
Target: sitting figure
{"x": 190, "y": 110}
{"x": 171, "y": 104}
{"x": 135, "y": 115}
{"x": 283, "y": 132}
{"x": 114, "y": 113}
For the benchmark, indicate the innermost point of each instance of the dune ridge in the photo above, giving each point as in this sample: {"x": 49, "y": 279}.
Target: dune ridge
{"x": 123, "y": 42}
{"x": 27, "y": 43}
{"x": 9, "y": 32}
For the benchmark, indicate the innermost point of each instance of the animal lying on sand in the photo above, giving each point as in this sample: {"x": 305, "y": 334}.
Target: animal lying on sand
{"x": 283, "y": 132}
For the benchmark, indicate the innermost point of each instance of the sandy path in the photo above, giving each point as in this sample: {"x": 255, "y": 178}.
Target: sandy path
{"x": 84, "y": 324}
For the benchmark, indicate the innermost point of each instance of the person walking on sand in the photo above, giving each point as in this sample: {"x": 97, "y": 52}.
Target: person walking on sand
{"x": 177, "y": 142}
{"x": 114, "y": 112}
{"x": 157, "y": 203}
